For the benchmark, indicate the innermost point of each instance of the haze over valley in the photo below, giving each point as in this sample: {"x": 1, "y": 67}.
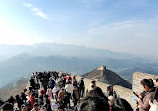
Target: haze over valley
{"x": 77, "y": 36}
{"x": 22, "y": 60}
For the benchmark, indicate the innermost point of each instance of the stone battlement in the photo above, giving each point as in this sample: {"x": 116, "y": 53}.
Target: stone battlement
{"x": 123, "y": 92}
{"x": 137, "y": 77}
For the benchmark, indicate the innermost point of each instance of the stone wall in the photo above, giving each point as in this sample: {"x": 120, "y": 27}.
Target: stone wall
{"x": 121, "y": 91}
{"x": 124, "y": 93}
{"x": 137, "y": 77}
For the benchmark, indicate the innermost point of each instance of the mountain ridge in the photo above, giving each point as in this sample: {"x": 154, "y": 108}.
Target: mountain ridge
{"x": 24, "y": 64}
{"x": 104, "y": 75}
{"x": 46, "y": 49}
{"x": 25, "y": 59}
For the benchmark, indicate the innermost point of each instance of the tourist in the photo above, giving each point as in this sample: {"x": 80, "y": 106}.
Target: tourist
{"x": 67, "y": 100}
{"x": 112, "y": 106}
{"x": 123, "y": 104}
{"x": 75, "y": 96}
{"x": 148, "y": 87}
{"x": 7, "y": 107}
{"x": 47, "y": 103}
{"x": 43, "y": 108}
{"x": 62, "y": 94}
{"x": 68, "y": 77}
{"x": 154, "y": 101}
{"x": 18, "y": 101}
{"x": 11, "y": 100}
{"x": 55, "y": 91}
{"x": 49, "y": 93}
{"x": 51, "y": 83}
{"x": 95, "y": 99}
{"x": 81, "y": 87}
{"x": 41, "y": 102}
{"x": 110, "y": 90}
{"x": 69, "y": 90}
{"x": 24, "y": 108}
{"x": 32, "y": 82}
{"x": 23, "y": 95}
{"x": 74, "y": 81}
{"x": 32, "y": 100}
{"x": 60, "y": 104}
{"x": 94, "y": 104}
{"x": 36, "y": 107}
{"x": 98, "y": 90}
{"x": 1, "y": 102}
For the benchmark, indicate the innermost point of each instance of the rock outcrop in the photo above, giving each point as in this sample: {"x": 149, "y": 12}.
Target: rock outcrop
{"x": 107, "y": 76}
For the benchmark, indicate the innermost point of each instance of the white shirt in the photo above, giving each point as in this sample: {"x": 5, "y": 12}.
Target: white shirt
{"x": 69, "y": 88}
{"x": 55, "y": 89}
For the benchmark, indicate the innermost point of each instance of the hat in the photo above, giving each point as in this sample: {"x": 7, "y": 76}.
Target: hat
{"x": 93, "y": 81}
{"x": 42, "y": 92}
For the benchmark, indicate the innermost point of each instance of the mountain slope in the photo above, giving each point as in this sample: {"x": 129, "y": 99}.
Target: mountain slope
{"x": 13, "y": 88}
{"x": 107, "y": 76}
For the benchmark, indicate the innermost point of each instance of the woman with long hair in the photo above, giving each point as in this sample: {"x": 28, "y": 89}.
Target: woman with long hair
{"x": 148, "y": 87}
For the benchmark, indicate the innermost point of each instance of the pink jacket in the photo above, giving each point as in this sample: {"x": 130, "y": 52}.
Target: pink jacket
{"x": 144, "y": 104}
{"x": 49, "y": 92}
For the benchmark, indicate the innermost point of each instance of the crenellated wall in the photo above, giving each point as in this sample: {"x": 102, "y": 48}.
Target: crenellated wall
{"x": 124, "y": 93}
{"x": 137, "y": 77}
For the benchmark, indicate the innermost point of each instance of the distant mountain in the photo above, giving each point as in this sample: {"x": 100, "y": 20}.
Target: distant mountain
{"x": 107, "y": 76}
{"x": 127, "y": 73}
{"x": 47, "y": 49}
{"x": 24, "y": 64}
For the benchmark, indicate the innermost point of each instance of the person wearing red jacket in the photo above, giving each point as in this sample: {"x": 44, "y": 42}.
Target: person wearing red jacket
{"x": 32, "y": 100}
{"x": 68, "y": 77}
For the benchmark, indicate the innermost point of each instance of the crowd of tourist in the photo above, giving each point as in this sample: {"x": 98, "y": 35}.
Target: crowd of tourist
{"x": 59, "y": 91}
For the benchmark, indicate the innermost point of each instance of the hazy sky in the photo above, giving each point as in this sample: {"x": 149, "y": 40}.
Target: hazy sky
{"x": 118, "y": 25}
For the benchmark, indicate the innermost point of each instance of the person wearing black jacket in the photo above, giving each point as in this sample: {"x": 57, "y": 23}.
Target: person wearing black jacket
{"x": 98, "y": 90}
{"x": 11, "y": 100}
{"x": 47, "y": 103}
{"x": 81, "y": 87}
{"x": 32, "y": 82}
